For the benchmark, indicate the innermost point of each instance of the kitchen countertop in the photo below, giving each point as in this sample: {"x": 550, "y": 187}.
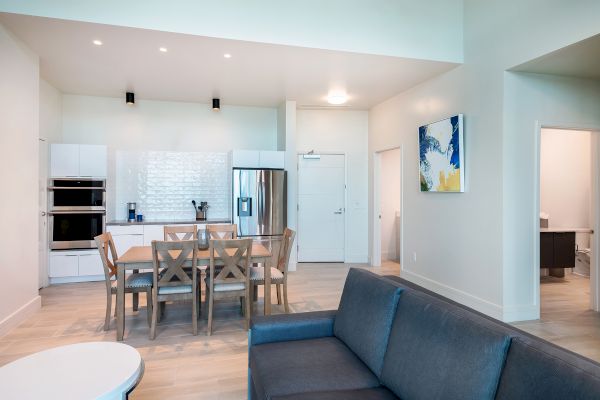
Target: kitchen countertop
{"x": 576, "y": 230}
{"x": 171, "y": 222}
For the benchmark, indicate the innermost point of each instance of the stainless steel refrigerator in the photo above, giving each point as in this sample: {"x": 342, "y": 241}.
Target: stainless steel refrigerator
{"x": 259, "y": 204}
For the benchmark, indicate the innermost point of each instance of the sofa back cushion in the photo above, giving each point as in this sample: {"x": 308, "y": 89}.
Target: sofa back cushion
{"x": 439, "y": 351}
{"x": 365, "y": 316}
{"x": 536, "y": 370}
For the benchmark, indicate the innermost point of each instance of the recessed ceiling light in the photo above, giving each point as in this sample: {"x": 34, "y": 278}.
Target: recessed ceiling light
{"x": 97, "y": 42}
{"x": 162, "y": 49}
{"x": 227, "y": 55}
{"x": 337, "y": 98}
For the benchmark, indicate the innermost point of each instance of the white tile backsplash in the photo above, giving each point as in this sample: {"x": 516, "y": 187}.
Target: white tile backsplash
{"x": 164, "y": 183}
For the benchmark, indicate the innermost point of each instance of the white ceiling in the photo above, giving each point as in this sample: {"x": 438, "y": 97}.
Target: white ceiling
{"x": 194, "y": 68}
{"x": 581, "y": 59}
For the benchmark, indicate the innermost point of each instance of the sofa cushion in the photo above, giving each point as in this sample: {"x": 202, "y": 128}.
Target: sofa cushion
{"x": 438, "y": 351}
{"x": 313, "y": 365}
{"x": 365, "y": 316}
{"x": 536, "y": 370}
{"x": 379, "y": 393}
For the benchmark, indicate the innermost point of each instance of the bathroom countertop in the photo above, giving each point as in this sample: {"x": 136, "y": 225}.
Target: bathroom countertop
{"x": 559, "y": 230}
{"x": 171, "y": 222}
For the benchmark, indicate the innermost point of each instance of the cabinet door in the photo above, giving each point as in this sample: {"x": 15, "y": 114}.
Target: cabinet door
{"x": 90, "y": 264}
{"x": 92, "y": 160}
{"x": 63, "y": 266}
{"x": 564, "y": 249}
{"x": 153, "y": 232}
{"x": 125, "y": 242}
{"x": 64, "y": 160}
{"x": 272, "y": 159}
{"x": 546, "y": 250}
{"x": 246, "y": 159}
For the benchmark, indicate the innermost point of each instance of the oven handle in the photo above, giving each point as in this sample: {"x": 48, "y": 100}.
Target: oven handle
{"x": 77, "y": 212}
{"x": 77, "y": 188}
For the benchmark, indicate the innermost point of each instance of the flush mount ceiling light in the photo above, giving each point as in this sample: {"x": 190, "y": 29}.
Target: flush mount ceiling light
{"x": 216, "y": 104}
{"x": 162, "y": 49}
{"x": 130, "y": 98}
{"x": 97, "y": 42}
{"x": 227, "y": 55}
{"x": 337, "y": 98}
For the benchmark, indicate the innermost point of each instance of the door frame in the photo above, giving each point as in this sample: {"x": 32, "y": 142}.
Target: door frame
{"x": 43, "y": 248}
{"x": 375, "y": 260}
{"x": 595, "y": 214}
{"x": 325, "y": 153}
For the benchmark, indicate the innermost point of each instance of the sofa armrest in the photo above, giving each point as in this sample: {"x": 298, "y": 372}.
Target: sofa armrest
{"x": 286, "y": 327}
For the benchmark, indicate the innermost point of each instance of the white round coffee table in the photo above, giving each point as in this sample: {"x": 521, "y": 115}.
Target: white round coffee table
{"x": 94, "y": 370}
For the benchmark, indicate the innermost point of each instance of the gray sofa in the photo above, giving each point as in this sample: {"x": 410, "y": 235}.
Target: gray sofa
{"x": 391, "y": 339}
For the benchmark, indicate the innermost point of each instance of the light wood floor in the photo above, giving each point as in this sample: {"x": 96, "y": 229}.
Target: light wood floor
{"x": 182, "y": 366}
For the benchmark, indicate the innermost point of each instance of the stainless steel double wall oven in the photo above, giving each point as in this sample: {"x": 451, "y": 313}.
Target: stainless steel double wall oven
{"x": 77, "y": 212}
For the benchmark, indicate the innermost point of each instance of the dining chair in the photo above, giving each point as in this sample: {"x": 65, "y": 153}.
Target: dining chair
{"x": 134, "y": 283}
{"x": 279, "y": 273}
{"x": 223, "y": 231}
{"x": 173, "y": 283}
{"x": 233, "y": 278}
{"x": 181, "y": 232}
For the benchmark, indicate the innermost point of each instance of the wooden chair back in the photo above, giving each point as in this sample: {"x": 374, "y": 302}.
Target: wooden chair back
{"x": 172, "y": 257}
{"x": 285, "y": 249}
{"x": 181, "y": 232}
{"x": 222, "y": 231}
{"x": 234, "y": 257}
{"x": 108, "y": 255}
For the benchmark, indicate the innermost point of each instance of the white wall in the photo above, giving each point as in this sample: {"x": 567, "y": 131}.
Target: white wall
{"x": 19, "y": 102}
{"x": 429, "y": 29}
{"x": 50, "y": 113}
{"x": 466, "y": 243}
{"x": 336, "y": 131}
{"x": 532, "y": 100}
{"x": 390, "y": 204}
{"x": 164, "y": 126}
{"x": 565, "y": 177}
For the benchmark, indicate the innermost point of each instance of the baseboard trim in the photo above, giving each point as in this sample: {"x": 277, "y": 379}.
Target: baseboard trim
{"x": 76, "y": 279}
{"x": 477, "y": 303}
{"x": 20, "y": 315}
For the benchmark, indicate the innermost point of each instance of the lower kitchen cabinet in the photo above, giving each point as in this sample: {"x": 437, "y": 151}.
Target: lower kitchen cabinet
{"x": 75, "y": 265}
{"x": 90, "y": 264}
{"x": 63, "y": 265}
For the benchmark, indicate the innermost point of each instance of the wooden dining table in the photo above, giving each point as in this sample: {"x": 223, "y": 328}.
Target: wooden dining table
{"x": 140, "y": 258}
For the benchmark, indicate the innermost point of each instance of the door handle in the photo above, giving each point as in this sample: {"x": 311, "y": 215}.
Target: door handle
{"x": 337, "y": 212}
{"x": 43, "y": 213}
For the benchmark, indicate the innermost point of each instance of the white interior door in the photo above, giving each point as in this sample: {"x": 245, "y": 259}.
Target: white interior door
{"x": 321, "y": 208}
{"x": 43, "y": 214}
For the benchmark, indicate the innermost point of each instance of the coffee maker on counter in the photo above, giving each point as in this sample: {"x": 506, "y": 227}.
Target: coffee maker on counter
{"x": 131, "y": 212}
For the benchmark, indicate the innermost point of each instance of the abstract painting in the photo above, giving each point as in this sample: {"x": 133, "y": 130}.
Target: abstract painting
{"x": 441, "y": 162}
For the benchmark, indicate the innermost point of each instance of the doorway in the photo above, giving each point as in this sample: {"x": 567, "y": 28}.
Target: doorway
{"x": 387, "y": 225}
{"x": 568, "y": 176}
{"x": 321, "y": 207}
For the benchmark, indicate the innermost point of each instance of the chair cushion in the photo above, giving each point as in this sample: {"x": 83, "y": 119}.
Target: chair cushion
{"x": 175, "y": 289}
{"x": 258, "y": 274}
{"x": 439, "y": 351}
{"x": 365, "y": 316}
{"x": 143, "y": 279}
{"x": 379, "y": 393}
{"x": 537, "y": 370}
{"x": 312, "y": 365}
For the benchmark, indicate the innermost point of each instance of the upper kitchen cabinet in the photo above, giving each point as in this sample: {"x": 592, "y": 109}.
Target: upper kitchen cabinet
{"x": 257, "y": 159}
{"x": 271, "y": 159}
{"x": 92, "y": 160}
{"x": 74, "y": 160}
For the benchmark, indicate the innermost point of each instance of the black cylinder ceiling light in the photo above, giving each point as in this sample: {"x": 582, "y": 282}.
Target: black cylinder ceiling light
{"x": 130, "y": 98}
{"x": 216, "y": 103}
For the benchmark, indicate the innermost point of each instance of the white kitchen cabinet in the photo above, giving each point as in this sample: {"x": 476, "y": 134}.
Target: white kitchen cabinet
{"x": 153, "y": 232}
{"x": 74, "y": 160}
{"x": 92, "y": 160}
{"x": 90, "y": 264}
{"x": 271, "y": 159}
{"x": 63, "y": 265}
{"x": 64, "y": 160}
{"x": 125, "y": 242}
{"x": 245, "y": 159}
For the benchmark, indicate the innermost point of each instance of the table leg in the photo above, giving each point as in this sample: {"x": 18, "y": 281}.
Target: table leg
{"x": 120, "y": 303}
{"x": 267, "y": 265}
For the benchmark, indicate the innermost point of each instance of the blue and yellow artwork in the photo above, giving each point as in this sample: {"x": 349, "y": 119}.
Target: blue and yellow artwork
{"x": 441, "y": 164}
